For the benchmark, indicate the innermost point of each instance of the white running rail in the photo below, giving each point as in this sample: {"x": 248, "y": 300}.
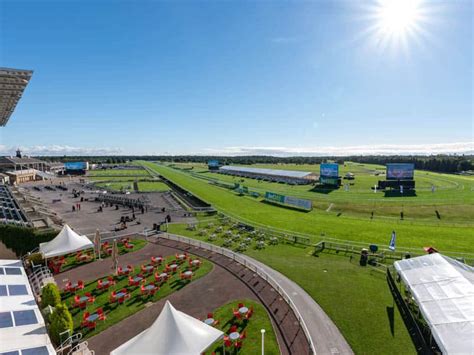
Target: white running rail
{"x": 252, "y": 266}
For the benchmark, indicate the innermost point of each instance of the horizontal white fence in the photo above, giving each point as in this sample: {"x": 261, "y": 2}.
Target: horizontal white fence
{"x": 251, "y": 266}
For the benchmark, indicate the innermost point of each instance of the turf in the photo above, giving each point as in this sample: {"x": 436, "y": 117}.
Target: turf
{"x": 118, "y": 172}
{"x": 319, "y": 224}
{"x": 356, "y": 298}
{"x": 71, "y": 261}
{"x": 115, "y": 312}
{"x": 252, "y": 343}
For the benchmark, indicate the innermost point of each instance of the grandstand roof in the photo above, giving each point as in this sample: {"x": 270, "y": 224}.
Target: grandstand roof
{"x": 22, "y": 160}
{"x": 12, "y": 84}
{"x": 22, "y": 325}
{"x": 272, "y": 172}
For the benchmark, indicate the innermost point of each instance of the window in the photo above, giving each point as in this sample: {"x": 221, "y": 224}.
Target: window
{"x": 24, "y": 318}
{"x": 13, "y": 271}
{"x": 41, "y": 350}
{"x": 3, "y": 290}
{"x": 6, "y": 320}
{"x": 15, "y": 352}
{"x": 2, "y": 272}
{"x": 17, "y": 290}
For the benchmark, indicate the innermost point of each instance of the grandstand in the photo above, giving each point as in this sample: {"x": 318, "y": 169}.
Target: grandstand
{"x": 273, "y": 175}
{"x": 10, "y": 212}
{"x": 12, "y": 84}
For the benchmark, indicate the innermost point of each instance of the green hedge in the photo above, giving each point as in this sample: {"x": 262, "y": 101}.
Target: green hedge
{"x": 22, "y": 240}
{"x": 61, "y": 321}
{"x": 50, "y": 296}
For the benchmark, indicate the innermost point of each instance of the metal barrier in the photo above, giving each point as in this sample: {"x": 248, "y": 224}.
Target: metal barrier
{"x": 253, "y": 267}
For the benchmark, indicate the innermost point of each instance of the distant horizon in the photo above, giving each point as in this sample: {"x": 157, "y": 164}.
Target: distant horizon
{"x": 458, "y": 149}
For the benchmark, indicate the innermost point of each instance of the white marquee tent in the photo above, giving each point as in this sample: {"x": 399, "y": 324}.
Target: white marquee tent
{"x": 172, "y": 333}
{"x": 67, "y": 241}
{"x": 443, "y": 288}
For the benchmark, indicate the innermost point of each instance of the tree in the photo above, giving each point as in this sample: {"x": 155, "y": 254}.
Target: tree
{"x": 61, "y": 320}
{"x": 50, "y": 296}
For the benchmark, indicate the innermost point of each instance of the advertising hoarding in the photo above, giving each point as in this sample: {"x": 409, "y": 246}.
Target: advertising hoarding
{"x": 400, "y": 171}
{"x": 288, "y": 200}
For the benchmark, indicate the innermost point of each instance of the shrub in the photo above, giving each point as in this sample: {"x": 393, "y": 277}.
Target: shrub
{"x": 36, "y": 258}
{"x": 50, "y": 296}
{"x": 23, "y": 240}
{"x": 61, "y": 321}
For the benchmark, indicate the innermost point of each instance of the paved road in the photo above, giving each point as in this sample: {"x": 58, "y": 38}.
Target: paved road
{"x": 326, "y": 336}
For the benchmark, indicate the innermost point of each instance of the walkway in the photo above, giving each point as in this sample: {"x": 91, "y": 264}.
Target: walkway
{"x": 196, "y": 299}
{"x": 283, "y": 316}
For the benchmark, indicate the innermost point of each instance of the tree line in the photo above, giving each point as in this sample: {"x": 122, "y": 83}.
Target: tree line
{"x": 437, "y": 163}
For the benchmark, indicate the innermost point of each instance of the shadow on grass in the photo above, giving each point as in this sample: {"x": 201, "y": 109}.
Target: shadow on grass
{"x": 284, "y": 206}
{"x": 396, "y": 193}
{"x": 324, "y": 189}
{"x": 391, "y": 319}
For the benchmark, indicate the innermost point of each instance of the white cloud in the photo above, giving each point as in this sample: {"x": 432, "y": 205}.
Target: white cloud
{"x": 382, "y": 149}
{"x": 59, "y": 150}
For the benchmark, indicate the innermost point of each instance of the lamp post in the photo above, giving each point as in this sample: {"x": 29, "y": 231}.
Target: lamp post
{"x": 263, "y": 341}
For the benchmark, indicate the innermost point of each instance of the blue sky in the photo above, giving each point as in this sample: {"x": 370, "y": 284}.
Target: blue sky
{"x": 154, "y": 77}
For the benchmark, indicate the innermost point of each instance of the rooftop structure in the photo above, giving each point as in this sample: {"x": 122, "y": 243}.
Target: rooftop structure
{"x": 443, "y": 289}
{"x": 12, "y": 84}
{"x": 288, "y": 176}
{"x": 22, "y": 327}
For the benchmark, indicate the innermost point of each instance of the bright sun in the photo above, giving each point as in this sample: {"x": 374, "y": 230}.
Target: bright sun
{"x": 398, "y": 16}
{"x": 394, "y": 24}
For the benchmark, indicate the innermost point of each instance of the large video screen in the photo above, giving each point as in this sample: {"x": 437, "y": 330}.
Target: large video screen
{"x": 400, "y": 171}
{"x": 78, "y": 165}
{"x": 329, "y": 170}
{"x": 213, "y": 163}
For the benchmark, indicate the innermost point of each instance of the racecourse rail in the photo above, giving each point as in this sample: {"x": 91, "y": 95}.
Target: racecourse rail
{"x": 251, "y": 266}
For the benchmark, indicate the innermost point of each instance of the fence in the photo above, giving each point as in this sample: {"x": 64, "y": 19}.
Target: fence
{"x": 253, "y": 267}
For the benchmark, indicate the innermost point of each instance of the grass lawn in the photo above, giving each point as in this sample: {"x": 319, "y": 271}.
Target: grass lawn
{"x": 356, "y": 298}
{"x": 71, "y": 258}
{"x": 260, "y": 320}
{"x": 118, "y": 172}
{"x": 115, "y": 312}
{"x": 415, "y": 233}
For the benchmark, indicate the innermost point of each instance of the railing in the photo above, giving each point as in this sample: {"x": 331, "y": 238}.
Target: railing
{"x": 253, "y": 267}
{"x": 68, "y": 343}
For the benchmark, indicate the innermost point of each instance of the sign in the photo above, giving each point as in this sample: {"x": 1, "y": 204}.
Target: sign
{"x": 329, "y": 170}
{"x": 288, "y": 200}
{"x": 79, "y": 165}
{"x": 400, "y": 171}
{"x": 213, "y": 164}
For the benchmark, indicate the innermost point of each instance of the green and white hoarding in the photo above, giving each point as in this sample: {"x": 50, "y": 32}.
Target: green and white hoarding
{"x": 289, "y": 201}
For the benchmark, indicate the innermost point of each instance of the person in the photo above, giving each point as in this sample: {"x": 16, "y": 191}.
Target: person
{"x": 73, "y": 208}
{"x": 133, "y": 216}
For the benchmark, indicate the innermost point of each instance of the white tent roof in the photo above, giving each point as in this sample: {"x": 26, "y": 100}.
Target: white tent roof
{"x": 172, "y": 333}
{"x": 67, "y": 241}
{"x": 443, "y": 288}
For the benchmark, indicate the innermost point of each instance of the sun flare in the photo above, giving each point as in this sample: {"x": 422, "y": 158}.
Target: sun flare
{"x": 398, "y": 16}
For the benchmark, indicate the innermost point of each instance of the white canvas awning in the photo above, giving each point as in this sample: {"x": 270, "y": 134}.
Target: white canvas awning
{"x": 443, "y": 288}
{"x": 67, "y": 241}
{"x": 172, "y": 333}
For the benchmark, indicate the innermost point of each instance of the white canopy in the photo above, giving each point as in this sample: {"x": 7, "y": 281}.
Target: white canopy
{"x": 443, "y": 288}
{"x": 172, "y": 333}
{"x": 67, "y": 241}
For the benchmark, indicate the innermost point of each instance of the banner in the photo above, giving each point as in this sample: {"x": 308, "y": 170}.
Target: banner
{"x": 400, "y": 171}
{"x": 391, "y": 246}
{"x": 289, "y": 200}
